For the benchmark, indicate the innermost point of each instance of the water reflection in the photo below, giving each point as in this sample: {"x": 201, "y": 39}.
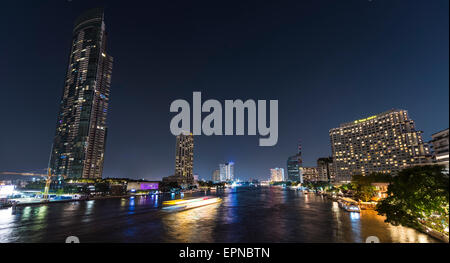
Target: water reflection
{"x": 193, "y": 225}
{"x": 26, "y": 213}
{"x": 6, "y": 219}
{"x": 263, "y": 214}
{"x": 131, "y": 206}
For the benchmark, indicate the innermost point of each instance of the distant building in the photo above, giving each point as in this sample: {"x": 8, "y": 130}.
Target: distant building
{"x": 440, "y": 145}
{"x": 310, "y": 174}
{"x": 277, "y": 175}
{"x": 174, "y": 179}
{"x": 216, "y": 176}
{"x": 142, "y": 186}
{"x": 325, "y": 169}
{"x": 383, "y": 143}
{"x": 293, "y": 166}
{"x": 226, "y": 172}
{"x": 79, "y": 143}
{"x": 184, "y": 159}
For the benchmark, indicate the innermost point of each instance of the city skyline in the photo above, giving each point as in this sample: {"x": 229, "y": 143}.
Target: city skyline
{"x": 144, "y": 159}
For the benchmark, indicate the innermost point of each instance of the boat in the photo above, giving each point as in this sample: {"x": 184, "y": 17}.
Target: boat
{"x": 184, "y": 204}
{"x": 349, "y": 205}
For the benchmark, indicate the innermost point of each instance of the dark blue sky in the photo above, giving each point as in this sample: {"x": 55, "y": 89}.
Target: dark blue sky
{"x": 327, "y": 62}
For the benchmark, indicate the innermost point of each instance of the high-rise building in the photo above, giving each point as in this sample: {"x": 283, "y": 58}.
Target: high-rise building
{"x": 310, "y": 174}
{"x": 293, "y": 166}
{"x": 277, "y": 175}
{"x": 383, "y": 143}
{"x": 78, "y": 149}
{"x": 226, "y": 171}
{"x": 216, "y": 176}
{"x": 440, "y": 145}
{"x": 325, "y": 169}
{"x": 184, "y": 159}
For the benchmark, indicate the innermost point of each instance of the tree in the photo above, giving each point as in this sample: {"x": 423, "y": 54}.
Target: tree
{"x": 362, "y": 185}
{"x": 365, "y": 192}
{"x": 418, "y": 195}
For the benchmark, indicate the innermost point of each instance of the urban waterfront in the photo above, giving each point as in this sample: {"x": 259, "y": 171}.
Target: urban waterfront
{"x": 246, "y": 214}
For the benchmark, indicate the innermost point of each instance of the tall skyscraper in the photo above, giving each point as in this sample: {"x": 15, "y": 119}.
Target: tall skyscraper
{"x": 226, "y": 172}
{"x": 384, "y": 143}
{"x": 79, "y": 144}
{"x": 184, "y": 158}
{"x": 277, "y": 175}
{"x": 293, "y": 166}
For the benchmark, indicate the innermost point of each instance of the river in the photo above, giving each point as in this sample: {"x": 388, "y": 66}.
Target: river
{"x": 246, "y": 214}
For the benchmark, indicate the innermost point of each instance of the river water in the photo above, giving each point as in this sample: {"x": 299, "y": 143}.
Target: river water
{"x": 246, "y": 214}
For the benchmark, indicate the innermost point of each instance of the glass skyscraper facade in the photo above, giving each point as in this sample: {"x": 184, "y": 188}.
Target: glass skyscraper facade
{"x": 294, "y": 163}
{"x": 79, "y": 143}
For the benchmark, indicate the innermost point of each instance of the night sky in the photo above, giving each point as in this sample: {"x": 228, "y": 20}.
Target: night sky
{"x": 327, "y": 62}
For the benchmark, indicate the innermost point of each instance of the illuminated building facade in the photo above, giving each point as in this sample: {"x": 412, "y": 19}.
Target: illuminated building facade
{"x": 310, "y": 174}
{"x": 440, "y": 147}
{"x": 325, "y": 169}
{"x": 293, "y": 166}
{"x": 383, "y": 143}
{"x": 184, "y": 159}
{"x": 79, "y": 144}
{"x": 277, "y": 175}
{"x": 226, "y": 172}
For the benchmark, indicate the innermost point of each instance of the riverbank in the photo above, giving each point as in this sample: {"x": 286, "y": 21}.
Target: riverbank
{"x": 424, "y": 229}
{"x": 433, "y": 233}
{"x": 21, "y": 204}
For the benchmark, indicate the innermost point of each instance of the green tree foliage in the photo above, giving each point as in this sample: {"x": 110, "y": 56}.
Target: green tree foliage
{"x": 418, "y": 195}
{"x": 362, "y": 185}
{"x": 365, "y": 192}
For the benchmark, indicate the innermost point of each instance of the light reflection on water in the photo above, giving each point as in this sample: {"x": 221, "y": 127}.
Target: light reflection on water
{"x": 184, "y": 226}
{"x": 245, "y": 215}
{"x": 6, "y": 219}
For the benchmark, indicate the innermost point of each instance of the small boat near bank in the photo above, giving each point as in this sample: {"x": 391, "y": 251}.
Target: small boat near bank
{"x": 349, "y": 205}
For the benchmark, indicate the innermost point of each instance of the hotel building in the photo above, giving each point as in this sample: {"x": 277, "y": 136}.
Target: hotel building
{"x": 79, "y": 144}
{"x": 383, "y": 143}
{"x": 440, "y": 145}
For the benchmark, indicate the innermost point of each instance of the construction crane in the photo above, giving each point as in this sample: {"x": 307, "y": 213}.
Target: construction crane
{"x": 47, "y": 184}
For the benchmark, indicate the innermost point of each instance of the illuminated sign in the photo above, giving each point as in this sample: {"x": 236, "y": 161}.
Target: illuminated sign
{"x": 366, "y": 119}
{"x": 149, "y": 186}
